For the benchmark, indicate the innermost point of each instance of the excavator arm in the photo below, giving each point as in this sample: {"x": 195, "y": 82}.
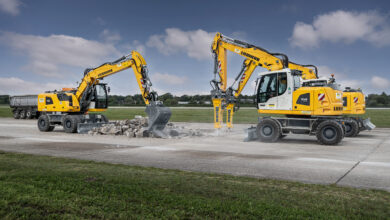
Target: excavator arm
{"x": 134, "y": 61}
{"x": 225, "y": 97}
{"x": 158, "y": 114}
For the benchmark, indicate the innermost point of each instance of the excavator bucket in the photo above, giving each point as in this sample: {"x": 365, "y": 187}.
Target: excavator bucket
{"x": 159, "y": 116}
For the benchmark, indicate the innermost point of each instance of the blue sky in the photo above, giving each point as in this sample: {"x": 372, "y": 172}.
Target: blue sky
{"x": 47, "y": 45}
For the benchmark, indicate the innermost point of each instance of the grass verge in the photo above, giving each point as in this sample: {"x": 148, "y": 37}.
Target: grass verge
{"x": 41, "y": 187}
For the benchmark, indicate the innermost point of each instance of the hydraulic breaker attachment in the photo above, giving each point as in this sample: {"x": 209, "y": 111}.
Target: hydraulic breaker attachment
{"x": 217, "y": 103}
{"x": 229, "y": 115}
{"x": 159, "y": 116}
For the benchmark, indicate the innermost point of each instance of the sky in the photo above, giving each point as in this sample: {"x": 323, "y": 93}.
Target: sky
{"x": 47, "y": 44}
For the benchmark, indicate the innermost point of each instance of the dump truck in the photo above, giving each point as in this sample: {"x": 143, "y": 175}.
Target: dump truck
{"x": 24, "y": 106}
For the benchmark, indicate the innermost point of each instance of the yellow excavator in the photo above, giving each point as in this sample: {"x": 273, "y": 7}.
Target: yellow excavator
{"x": 70, "y": 107}
{"x": 310, "y": 109}
{"x": 354, "y": 104}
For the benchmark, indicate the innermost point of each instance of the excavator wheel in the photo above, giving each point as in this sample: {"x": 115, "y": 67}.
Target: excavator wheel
{"x": 70, "y": 123}
{"x": 268, "y": 130}
{"x": 44, "y": 124}
{"x": 351, "y": 128}
{"x": 329, "y": 132}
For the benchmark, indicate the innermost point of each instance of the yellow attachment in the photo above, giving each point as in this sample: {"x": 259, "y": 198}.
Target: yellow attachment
{"x": 229, "y": 115}
{"x": 217, "y": 103}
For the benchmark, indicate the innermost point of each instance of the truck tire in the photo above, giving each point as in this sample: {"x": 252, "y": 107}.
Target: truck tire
{"x": 16, "y": 114}
{"x": 70, "y": 123}
{"x": 268, "y": 130}
{"x": 329, "y": 132}
{"x": 44, "y": 124}
{"x": 22, "y": 114}
{"x": 351, "y": 128}
{"x": 29, "y": 114}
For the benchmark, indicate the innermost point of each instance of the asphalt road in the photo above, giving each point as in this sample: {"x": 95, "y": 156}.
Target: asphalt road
{"x": 363, "y": 161}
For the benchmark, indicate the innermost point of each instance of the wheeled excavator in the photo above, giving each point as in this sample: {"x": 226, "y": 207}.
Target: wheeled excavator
{"x": 354, "y": 105}
{"x": 296, "y": 108}
{"x": 71, "y": 108}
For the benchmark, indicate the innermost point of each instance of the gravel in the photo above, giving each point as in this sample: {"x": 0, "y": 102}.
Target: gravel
{"x": 137, "y": 128}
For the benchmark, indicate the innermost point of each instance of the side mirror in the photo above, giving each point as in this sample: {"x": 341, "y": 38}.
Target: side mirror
{"x": 108, "y": 89}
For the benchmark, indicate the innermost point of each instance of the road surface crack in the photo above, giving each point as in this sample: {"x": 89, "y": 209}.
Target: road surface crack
{"x": 363, "y": 159}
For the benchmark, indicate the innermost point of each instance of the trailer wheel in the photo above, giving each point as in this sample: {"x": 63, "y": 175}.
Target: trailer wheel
{"x": 329, "y": 132}
{"x": 16, "y": 114}
{"x": 23, "y": 114}
{"x": 44, "y": 123}
{"x": 268, "y": 130}
{"x": 351, "y": 128}
{"x": 70, "y": 123}
{"x": 29, "y": 114}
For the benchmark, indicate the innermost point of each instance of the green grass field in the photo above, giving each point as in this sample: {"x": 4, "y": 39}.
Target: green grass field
{"x": 41, "y": 187}
{"x": 381, "y": 118}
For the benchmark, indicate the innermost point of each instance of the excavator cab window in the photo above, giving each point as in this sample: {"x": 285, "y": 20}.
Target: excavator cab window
{"x": 271, "y": 85}
{"x": 100, "y": 96}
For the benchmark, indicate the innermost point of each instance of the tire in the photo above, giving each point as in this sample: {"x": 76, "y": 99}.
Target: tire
{"x": 329, "y": 132}
{"x": 44, "y": 123}
{"x": 70, "y": 123}
{"x": 268, "y": 130}
{"x": 104, "y": 119}
{"x": 29, "y": 114}
{"x": 16, "y": 114}
{"x": 351, "y": 128}
{"x": 23, "y": 114}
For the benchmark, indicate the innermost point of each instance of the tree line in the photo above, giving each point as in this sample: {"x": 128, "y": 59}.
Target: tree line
{"x": 372, "y": 100}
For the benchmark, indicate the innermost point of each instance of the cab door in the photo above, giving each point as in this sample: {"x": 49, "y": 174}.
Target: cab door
{"x": 285, "y": 87}
{"x": 267, "y": 92}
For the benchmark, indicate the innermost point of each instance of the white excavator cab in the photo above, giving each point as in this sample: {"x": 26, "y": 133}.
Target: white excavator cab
{"x": 275, "y": 89}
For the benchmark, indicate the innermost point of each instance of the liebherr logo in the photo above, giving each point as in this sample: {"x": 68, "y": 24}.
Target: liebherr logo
{"x": 104, "y": 73}
{"x": 250, "y": 56}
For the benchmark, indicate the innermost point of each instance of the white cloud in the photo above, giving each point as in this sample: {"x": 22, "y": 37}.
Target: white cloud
{"x": 110, "y": 36}
{"x": 380, "y": 82}
{"x": 17, "y": 86}
{"x": 196, "y": 44}
{"x": 10, "y": 6}
{"x": 342, "y": 26}
{"x": 46, "y": 54}
{"x": 168, "y": 79}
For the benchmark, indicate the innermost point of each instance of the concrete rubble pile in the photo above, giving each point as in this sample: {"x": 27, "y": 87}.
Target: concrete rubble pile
{"x": 137, "y": 128}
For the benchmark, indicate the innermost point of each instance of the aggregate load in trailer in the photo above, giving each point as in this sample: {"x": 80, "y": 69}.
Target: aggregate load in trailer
{"x": 24, "y": 106}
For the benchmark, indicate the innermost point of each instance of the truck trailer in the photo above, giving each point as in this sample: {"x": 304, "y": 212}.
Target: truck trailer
{"x": 24, "y": 106}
